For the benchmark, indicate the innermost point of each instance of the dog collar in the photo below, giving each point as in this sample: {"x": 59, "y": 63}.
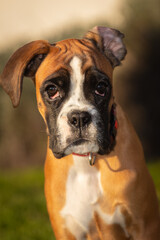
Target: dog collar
{"x": 81, "y": 155}
{"x": 113, "y": 128}
{"x": 92, "y": 157}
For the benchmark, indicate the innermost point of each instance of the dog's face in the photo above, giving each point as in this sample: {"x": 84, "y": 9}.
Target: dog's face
{"x": 74, "y": 89}
{"x": 76, "y": 93}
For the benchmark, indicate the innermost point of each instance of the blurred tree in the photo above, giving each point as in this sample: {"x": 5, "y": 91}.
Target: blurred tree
{"x": 22, "y": 131}
{"x": 142, "y": 76}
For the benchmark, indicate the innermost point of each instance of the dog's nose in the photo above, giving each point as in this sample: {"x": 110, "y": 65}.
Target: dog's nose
{"x": 79, "y": 119}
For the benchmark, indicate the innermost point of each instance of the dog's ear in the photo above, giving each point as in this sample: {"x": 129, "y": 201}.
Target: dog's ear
{"x": 24, "y": 62}
{"x": 109, "y": 41}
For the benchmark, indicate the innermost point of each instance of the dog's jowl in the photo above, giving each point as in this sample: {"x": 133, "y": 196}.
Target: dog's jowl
{"x": 97, "y": 185}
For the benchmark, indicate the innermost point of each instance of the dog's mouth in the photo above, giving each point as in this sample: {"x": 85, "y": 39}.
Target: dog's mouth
{"x": 78, "y": 142}
{"x": 81, "y": 146}
{"x": 71, "y": 147}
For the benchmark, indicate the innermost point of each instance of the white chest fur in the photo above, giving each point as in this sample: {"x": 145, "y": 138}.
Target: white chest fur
{"x": 83, "y": 190}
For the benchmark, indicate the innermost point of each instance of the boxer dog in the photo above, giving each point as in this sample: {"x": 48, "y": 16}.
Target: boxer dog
{"x": 97, "y": 185}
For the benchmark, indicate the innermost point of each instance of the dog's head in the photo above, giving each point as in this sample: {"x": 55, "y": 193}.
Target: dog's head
{"x": 73, "y": 81}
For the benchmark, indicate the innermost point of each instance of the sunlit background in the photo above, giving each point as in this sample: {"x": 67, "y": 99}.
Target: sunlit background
{"x": 22, "y": 131}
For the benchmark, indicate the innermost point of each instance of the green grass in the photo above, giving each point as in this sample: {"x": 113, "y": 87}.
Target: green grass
{"x": 23, "y": 214}
{"x": 154, "y": 169}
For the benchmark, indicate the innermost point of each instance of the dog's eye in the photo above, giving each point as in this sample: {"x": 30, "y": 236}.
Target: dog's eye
{"x": 52, "y": 91}
{"x": 101, "y": 89}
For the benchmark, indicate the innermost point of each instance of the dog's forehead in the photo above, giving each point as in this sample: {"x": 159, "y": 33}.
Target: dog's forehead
{"x": 62, "y": 53}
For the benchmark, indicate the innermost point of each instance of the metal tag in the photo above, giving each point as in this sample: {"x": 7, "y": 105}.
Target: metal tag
{"x": 92, "y": 158}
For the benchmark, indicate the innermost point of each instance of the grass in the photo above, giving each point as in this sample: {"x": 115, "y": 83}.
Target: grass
{"x": 23, "y": 214}
{"x": 154, "y": 169}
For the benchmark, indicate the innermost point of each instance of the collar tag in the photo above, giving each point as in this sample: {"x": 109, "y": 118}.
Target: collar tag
{"x": 92, "y": 159}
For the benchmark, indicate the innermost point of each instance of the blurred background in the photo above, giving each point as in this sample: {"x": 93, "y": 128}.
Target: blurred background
{"x": 22, "y": 131}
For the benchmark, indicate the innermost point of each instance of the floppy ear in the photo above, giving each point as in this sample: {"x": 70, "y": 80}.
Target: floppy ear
{"x": 24, "y": 62}
{"x": 109, "y": 41}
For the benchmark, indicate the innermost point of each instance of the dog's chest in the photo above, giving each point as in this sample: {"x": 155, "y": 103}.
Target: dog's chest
{"x": 83, "y": 190}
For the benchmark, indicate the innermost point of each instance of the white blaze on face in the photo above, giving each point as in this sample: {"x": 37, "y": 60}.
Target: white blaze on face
{"x": 77, "y": 99}
{"x": 76, "y": 102}
{"x": 77, "y": 80}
